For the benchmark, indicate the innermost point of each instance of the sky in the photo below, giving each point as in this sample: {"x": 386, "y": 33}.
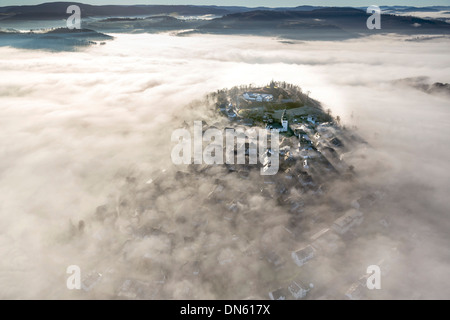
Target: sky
{"x": 248, "y": 3}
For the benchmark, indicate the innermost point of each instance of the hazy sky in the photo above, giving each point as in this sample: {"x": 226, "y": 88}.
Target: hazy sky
{"x": 249, "y": 3}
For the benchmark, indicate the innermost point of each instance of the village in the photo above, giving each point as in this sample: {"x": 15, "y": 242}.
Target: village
{"x": 308, "y": 134}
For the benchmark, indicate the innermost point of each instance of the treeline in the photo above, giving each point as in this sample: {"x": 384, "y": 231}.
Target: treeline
{"x": 281, "y": 90}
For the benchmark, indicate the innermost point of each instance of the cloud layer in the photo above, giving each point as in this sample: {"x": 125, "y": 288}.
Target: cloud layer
{"x": 76, "y": 125}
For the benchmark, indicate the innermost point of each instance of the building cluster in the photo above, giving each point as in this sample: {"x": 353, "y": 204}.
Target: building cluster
{"x": 258, "y": 97}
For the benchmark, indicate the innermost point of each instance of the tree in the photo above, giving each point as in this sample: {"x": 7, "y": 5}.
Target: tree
{"x": 272, "y": 84}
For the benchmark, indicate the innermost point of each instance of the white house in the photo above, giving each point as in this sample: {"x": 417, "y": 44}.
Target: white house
{"x": 91, "y": 281}
{"x": 298, "y": 289}
{"x": 303, "y": 255}
{"x": 274, "y": 127}
{"x": 348, "y": 220}
{"x": 247, "y": 96}
{"x": 260, "y": 97}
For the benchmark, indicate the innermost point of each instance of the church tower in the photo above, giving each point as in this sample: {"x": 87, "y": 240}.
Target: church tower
{"x": 284, "y": 121}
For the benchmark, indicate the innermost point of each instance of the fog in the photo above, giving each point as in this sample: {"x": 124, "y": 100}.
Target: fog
{"x": 91, "y": 128}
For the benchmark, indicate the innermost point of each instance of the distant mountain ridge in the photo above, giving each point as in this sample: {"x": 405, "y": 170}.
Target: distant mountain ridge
{"x": 300, "y": 23}
{"x": 323, "y": 24}
{"x": 60, "y": 39}
{"x": 57, "y": 10}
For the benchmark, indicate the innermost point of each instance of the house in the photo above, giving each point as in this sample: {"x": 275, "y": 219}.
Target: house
{"x": 90, "y": 281}
{"x": 274, "y": 127}
{"x": 303, "y": 255}
{"x": 336, "y": 142}
{"x": 298, "y": 289}
{"x": 348, "y": 220}
{"x": 302, "y": 133}
{"x": 297, "y": 128}
{"x": 248, "y": 96}
{"x": 358, "y": 290}
{"x": 279, "y": 294}
{"x": 259, "y": 97}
